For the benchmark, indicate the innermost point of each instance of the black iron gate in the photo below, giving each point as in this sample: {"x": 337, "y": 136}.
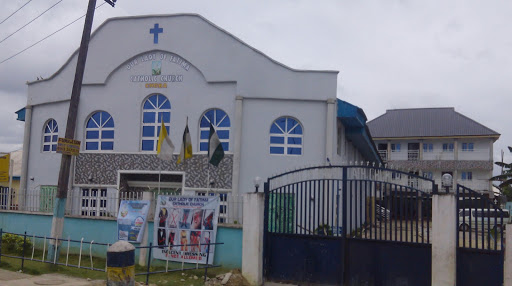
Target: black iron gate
{"x": 348, "y": 225}
{"x": 480, "y": 239}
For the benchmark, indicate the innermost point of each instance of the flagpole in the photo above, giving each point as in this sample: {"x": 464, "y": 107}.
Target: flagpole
{"x": 160, "y": 160}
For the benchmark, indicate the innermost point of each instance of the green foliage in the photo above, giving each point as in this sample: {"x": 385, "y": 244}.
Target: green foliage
{"x": 13, "y": 243}
{"x": 506, "y": 176}
{"x": 507, "y": 192}
{"x": 324, "y": 229}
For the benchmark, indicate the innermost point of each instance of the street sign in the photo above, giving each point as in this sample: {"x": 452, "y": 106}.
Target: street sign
{"x": 68, "y": 146}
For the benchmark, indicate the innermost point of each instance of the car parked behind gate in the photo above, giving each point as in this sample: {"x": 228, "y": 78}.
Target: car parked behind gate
{"x": 489, "y": 218}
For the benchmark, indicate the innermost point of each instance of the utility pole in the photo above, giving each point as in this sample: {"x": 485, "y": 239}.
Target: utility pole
{"x": 65, "y": 164}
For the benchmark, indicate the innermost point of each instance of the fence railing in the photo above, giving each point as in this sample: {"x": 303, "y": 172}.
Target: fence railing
{"x": 350, "y": 202}
{"x": 46, "y": 244}
{"x": 480, "y": 222}
{"x": 104, "y": 203}
{"x": 87, "y": 245}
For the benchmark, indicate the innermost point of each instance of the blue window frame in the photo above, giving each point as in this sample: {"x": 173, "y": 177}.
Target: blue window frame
{"x": 50, "y": 136}
{"x": 221, "y": 123}
{"x": 99, "y": 132}
{"x": 155, "y": 109}
{"x": 447, "y": 147}
{"x": 395, "y": 147}
{"x": 467, "y": 176}
{"x": 286, "y": 136}
{"x": 427, "y": 175}
{"x": 428, "y": 147}
{"x": 467, "y": 147}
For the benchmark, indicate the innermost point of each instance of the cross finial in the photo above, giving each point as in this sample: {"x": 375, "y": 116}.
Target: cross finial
{"x": 155, "y": 31}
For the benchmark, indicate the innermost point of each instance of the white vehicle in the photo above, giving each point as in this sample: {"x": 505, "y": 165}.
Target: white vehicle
{"x": 486, "y": 218}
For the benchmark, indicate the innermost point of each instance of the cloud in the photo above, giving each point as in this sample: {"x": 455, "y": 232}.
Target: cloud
{"x": 390, "y": 54}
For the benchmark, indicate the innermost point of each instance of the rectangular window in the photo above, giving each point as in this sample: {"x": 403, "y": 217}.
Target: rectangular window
{"x": 467, "y": 176}
{"x": 94, "y": 202}
{"x": 395, "y": 147}
{"x": 467, "y": 147}
{"x": 447, "y": 147}
{"x": 427, "y": 175}
{"x": 428, "y": 147}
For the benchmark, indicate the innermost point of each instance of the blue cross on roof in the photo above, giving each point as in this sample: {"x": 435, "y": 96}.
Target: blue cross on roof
{"x": 155, "y": 31}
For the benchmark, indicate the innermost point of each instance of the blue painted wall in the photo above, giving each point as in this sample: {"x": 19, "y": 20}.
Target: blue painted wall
{"x": 228, "y": 255}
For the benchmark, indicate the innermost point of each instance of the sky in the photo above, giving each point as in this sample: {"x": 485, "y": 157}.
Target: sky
{"x": 389, "y": 54}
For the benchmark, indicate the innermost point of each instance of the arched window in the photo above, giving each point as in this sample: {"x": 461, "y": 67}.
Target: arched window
{"x": 155, "y": 109}
{"x": 99, "y": 132}
{"x": 221, "y": 123}
{"x": 286, "y": 136}
{"x": 50, "y": 137}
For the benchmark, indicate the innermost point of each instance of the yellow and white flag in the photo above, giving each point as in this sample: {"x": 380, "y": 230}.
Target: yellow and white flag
{"x": 186, "y": 146}
{"x": 165, "y": 148}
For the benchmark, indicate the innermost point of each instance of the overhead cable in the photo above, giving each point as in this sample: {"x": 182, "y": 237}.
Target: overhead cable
{"x": 30, "y": 22}
{"x": 15, "y": 11}
{"x": 47, "y": 36}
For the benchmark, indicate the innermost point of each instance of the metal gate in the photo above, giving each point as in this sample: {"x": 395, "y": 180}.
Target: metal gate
{"x": 480, "y": 239}
{"x": 348, "y": 225}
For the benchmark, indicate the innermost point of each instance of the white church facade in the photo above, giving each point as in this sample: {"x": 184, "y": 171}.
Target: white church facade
{"x": 181, "y": 68}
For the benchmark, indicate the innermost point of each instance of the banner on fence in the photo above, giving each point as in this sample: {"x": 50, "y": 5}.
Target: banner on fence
{"x": 187, "y": 225}
{"x": 131, "y": 220}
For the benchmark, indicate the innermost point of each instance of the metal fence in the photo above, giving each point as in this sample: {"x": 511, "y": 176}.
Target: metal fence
{"x": 103, "y": 202}
{"x": 373, "y": 203}
{"x": 44, "y": 242}
{"x": 480, "y": 222}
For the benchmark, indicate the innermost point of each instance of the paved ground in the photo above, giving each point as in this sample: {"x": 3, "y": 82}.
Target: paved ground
{"x": 10, "y": 278}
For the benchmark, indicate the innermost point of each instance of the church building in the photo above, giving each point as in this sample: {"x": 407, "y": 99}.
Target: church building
{"x": 183, "y": 70}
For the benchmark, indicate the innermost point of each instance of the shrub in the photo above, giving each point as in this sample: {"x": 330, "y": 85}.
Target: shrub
{"x": 13, "y": 243}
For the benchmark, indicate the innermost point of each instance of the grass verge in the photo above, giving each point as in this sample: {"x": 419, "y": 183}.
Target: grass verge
{"x": 189, "y": 277}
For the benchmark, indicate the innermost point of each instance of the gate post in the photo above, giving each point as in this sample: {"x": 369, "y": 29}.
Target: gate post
{"x": 507, "y": 277}
{"x": 252, "y": 246}
{"x": 444, "y": 239}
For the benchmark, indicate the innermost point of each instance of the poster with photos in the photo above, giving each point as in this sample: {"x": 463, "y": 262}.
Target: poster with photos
{"x": 131, "y": 220}
{"x": 184, "y": 225}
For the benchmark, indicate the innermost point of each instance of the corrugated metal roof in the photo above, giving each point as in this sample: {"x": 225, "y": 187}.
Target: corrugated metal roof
{"x": 426, "y": 122}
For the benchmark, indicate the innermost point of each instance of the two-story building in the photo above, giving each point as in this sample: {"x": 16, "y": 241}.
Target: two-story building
{"x": 435, "y": 141}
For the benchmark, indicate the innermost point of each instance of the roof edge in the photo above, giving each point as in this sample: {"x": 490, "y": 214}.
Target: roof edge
{"x": 177, "y": 15}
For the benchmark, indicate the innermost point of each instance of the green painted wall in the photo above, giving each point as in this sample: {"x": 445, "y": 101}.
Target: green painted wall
{"x": 228, "y": 255}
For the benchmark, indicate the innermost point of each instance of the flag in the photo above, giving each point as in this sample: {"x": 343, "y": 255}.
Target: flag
{"x": 165, "y": 148}
{"x": 215, "y": 151}
{"x": 186, "y": 146}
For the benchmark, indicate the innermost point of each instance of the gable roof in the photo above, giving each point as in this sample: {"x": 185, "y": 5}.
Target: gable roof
{"x": 426, "y": 122}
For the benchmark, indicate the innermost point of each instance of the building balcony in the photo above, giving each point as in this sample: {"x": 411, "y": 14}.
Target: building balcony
{"x": 435, "y": 155}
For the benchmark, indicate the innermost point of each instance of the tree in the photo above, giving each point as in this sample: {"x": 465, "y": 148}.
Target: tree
{"x": 505, "y": 178}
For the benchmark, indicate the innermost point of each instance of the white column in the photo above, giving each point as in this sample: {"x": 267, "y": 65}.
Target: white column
{"x": 143, "y": 252}
{"x": 329, "y": 130}
{"x": 507, "y": 276}
{"x": 252, "y": 246}
{"x": 444, "y": 240}
{"x": 235, "y": 183}
{"x": 22, "y": 193}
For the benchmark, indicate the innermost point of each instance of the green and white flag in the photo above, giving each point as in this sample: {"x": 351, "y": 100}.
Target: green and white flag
{"x": 215, "y": 151}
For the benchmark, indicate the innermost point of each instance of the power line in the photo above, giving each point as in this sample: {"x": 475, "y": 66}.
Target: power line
{"x": 15, "y": 11}
{"x": 30, "y": 22}
{"x": 47, "y": 36}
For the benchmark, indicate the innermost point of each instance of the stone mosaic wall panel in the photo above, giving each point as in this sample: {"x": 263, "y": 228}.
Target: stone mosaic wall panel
{"x": 102, "y": 168}
{"x": 441, "y": 165}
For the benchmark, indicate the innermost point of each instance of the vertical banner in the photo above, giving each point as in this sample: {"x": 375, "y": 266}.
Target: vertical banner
{"x": 131, "y": 220}
{"x": 5, "y": 160}
{"x": 183, "y": 225}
